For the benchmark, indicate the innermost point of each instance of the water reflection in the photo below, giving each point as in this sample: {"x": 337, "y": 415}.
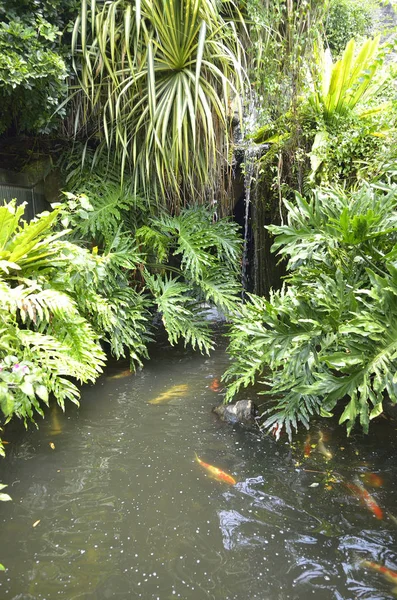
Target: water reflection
{"x": 126, "y": 512}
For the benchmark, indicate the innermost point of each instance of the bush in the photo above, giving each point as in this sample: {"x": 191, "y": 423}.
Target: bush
{"x": 348, "y": 19}
{"x": 329, "y": 336}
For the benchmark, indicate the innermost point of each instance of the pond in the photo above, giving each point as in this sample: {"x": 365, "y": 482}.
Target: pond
{"x": 110, "y": 502}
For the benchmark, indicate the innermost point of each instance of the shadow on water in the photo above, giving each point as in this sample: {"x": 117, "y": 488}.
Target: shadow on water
{"x": 125, "y": 511}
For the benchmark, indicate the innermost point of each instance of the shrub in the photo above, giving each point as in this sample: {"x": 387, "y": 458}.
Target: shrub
{"x": 348, "y": 19}
{"x": 329, "y": 336}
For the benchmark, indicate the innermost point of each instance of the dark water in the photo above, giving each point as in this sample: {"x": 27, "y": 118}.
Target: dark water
{"x": 126, "y": 512}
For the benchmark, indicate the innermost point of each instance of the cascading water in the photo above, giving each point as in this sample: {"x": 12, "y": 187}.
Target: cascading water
{"x": 249, "y": 170}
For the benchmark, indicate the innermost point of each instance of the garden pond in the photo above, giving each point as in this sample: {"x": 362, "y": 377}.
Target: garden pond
{"x": 109, "y": 500}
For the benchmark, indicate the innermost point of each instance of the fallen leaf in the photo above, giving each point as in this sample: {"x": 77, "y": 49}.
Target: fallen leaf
{"x": 36, "y": 523}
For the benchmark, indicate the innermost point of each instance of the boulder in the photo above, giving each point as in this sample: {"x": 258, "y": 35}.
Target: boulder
{"x": 243, "y": 411}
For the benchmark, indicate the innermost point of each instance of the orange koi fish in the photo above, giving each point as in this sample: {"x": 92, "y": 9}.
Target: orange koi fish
{"x": 370, "y": 502}
{"x": 307, "y": 447}
{"x": 388, "y": 574}
{"x": 214, "y": 385}
{"x": 373, "y": 479}
{"x": 217, "y": 473}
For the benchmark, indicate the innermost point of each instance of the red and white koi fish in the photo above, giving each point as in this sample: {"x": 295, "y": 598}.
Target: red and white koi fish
{"x": 387, "y": 573}
{"x": 370, "y": 502}
{"x": 216, "y": 473}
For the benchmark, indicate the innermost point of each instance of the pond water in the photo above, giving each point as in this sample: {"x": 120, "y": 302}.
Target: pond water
{"x": 109, "y": 501}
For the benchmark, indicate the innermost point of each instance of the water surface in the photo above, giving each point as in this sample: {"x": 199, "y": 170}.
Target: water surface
{"x": 125, "y": 511}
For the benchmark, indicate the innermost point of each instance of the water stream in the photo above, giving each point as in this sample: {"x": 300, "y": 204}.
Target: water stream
{"x": 251, "y": 154}
{"x": 109, "y": 501}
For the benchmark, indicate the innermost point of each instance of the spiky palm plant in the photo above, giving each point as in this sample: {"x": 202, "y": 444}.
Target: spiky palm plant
{"x": 159, "y": 76}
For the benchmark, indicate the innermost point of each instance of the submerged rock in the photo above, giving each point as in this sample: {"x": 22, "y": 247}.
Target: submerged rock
{"x": 243, "y": 411}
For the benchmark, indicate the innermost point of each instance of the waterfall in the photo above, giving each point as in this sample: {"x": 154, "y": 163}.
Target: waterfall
{"x": 249, "y": 168}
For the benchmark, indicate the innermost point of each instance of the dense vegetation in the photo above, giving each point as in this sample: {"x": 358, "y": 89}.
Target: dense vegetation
{"x": 143, "y": 97}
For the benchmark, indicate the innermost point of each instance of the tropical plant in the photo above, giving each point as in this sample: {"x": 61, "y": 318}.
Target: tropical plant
{"x": 158, "y": 78}
{"x": 347, "y": 19}
{"x": 44, "y": 339}
{"x": 329, "y": 336}
{"x": 339, "y": 87}
{"x": 34, "y": 63}
{"x": 193, "y": 262}
{"x": 180, "y": 264}
{"x": 58, "y": 302}
{"x": 279, "y": 49}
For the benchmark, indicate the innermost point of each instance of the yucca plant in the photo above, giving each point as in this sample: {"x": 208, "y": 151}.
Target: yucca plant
{"x": 329, "y": 337}
{"x": 158, "y": 77}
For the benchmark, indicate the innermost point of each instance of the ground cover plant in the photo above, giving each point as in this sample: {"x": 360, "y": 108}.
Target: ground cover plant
{"x": 328, "y": 338}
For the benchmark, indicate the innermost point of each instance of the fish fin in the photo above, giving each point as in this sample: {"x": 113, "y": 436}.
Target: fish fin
{"x": 197, "y": 458}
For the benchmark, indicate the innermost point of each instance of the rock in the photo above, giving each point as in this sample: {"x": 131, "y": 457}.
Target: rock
{"x": 243, "y": 411}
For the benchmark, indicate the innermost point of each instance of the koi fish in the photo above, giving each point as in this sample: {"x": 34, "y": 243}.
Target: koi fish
{"x": 321, "y": 447}
{"x": 276, "y": 430}
{"x": 56, "y": 427}
{"x": 393, "y": 518}
{"x": 307, "y": 447}
{"x": 373, "y": 479}
{"x": 216, "y": 473}
{"x": 387, "y": 573}
{"x": 214, "y": 385}
{"x": 370, "y": 502}
{"x": 121, "y": 375}
{"x": 174, "y": 392}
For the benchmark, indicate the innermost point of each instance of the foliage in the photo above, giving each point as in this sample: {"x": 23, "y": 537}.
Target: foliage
{"x": 339, "y": 87}
{"x": 339, "y": 129}
{"x": 33, "y": 70}
{"x": 206, "y": 254}
{"x": 347, "y": 19}
{"x": 351, "y": 121}
{"x": 279, "y": 48}
{"x": 329, "y": 336}
{"x": 180, "y": 262}
{"x": 103, "y": 208}
{"x": 58, "y": 301}
{"x": 159, "y": 75}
